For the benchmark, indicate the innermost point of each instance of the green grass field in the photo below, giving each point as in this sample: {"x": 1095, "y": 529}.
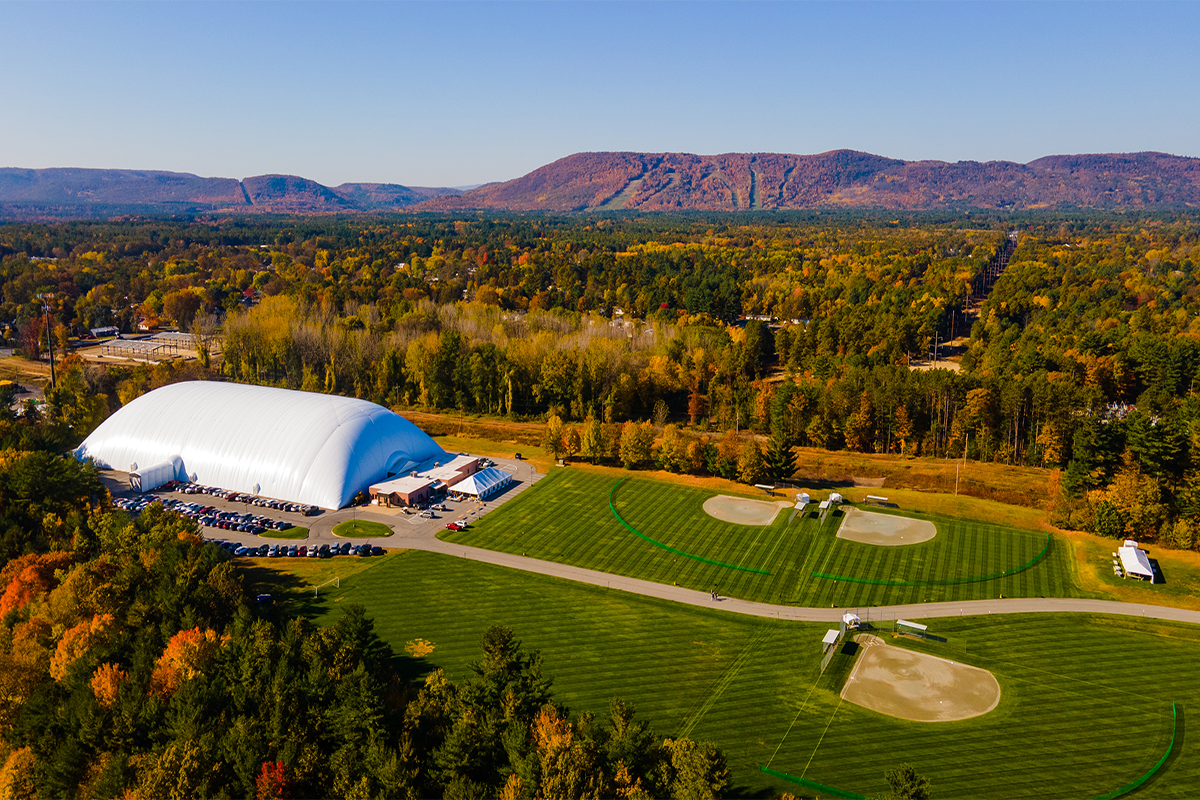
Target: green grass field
{"x": 565, "y": 518}
{"x": 1085, "y": 700}
{"x": 357, "y": 528}
{"x": 290, "y": 533}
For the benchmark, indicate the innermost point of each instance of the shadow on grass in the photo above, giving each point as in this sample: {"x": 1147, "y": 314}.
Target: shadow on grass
{"x": 292, "y": 596}
{"x": 745, "y": 793}
{"x": 1147, "y": 788}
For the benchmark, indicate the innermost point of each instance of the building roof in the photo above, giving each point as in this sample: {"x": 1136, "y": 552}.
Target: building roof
{"x": 449, "y": 470}
{"x": 304, "y": 447}
{"x": 405, "y": 485}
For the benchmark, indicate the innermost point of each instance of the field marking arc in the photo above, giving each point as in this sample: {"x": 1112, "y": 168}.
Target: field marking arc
{"x": 942, "y": 581}
{"x": 667, "y": 547}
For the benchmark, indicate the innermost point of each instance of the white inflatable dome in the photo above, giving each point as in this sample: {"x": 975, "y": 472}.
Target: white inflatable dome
{"x": 318, "y": 449}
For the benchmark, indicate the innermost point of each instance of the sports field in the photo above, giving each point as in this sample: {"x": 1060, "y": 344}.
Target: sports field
{"x": 1085, "y": 704}
{"x": 566, "y": 518}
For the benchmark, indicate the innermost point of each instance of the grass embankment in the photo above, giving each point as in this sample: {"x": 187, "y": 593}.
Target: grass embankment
{"x": 566, "y": 518}
{"x": 361, "y": 528}
{"x": 1085, "y": 702}
{"x": 290, "y": 533}
{"x": 1180, "y": 570}
{"x": 22, "y": 370}
{"x": 1024, "y": 486}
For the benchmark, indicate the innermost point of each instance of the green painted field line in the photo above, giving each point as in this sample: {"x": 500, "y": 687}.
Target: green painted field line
{"x": 807, "y": 784}
{"x": 943, "y": 581}
{"x": 1129, "y": 787}
{"x": 670, "y": 549}
{"x": 1113, "y": 795}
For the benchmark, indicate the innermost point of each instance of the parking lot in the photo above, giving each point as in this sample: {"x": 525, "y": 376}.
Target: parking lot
{"x": 211, "y": 510}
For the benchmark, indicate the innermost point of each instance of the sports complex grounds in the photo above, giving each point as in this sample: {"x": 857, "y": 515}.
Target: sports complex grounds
{"x": 1002, "y": 705}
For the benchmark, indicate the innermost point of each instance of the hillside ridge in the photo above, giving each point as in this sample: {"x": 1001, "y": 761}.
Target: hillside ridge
{"x": 71, "y": 191}
{"x": 836, "y": 179}
{"x": 631, "y": 181}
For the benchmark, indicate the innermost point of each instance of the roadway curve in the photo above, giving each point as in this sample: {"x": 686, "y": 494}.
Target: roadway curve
{"x": 1016, "y": 605}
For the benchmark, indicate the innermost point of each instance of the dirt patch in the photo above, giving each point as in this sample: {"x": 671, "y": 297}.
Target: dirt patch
{"x": 742, "y": 510}
{"x": 884, "y": 529}
{"x": 919, "y": 687}
{"x": 869, "y": 483}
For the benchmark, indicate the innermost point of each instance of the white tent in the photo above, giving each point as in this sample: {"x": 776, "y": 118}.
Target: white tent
{"x": 483, "y": 483}
{"x": 318, "y": 449}
{"x": 1134, "y": 561}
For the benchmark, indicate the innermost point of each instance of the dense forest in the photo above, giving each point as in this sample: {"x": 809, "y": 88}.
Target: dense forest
{"x": 134, "y": 663}
{"x": 730, "y": 340}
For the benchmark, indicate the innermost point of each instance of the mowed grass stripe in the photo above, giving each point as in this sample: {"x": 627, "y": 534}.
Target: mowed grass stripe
{"x": 1074, "y": 720}
{"x": 565, "y": 518}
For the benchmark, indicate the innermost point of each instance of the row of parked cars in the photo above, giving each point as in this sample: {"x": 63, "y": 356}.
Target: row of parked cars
{"x": 207, "y": 515}
{"x": 240, "y": 497}
{"x": 299, "y": 551}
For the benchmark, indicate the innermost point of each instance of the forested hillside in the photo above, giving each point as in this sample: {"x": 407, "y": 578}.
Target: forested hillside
{"x": 1081, "y": 359}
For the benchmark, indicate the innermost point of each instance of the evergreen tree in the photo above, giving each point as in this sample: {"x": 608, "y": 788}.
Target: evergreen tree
{"x": 780, "y": 458}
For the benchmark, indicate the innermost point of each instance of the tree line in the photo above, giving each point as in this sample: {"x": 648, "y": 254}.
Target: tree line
{"x": 1084, "y": 346}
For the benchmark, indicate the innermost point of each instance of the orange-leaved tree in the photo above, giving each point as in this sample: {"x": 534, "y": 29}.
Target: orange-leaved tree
{"x": 106, "y": 684}
{"x": 76, "y": 641}
{"x": 183, "y": 659}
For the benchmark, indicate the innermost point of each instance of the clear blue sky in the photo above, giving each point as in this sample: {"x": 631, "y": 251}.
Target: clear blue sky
{"x": 443, "y": 94}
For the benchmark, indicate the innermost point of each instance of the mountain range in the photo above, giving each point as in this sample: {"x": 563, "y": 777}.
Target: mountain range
{"x": 643, "y": 182}
{"x": 59, "y": 192}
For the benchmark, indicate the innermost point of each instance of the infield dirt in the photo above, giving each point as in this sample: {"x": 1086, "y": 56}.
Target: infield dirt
{"x": 916, "y": 686}
{"x": 884, "y": 529}
{"x": 742, "y": 510}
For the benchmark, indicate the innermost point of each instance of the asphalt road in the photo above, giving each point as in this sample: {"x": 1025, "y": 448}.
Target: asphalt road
{"x": 1023, "y": 605}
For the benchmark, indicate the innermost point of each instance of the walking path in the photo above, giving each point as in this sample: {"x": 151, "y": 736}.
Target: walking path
{"x": 1016, "y": 605}
{"x": 416, "y": 534}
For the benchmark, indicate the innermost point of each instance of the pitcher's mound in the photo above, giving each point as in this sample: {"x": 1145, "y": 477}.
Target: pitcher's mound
{"x": 869, "y": 528}
{"x": 742, "y": 511}
{"x": 910, "y": 685}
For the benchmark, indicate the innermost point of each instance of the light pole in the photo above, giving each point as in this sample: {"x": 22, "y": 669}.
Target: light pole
{"x": 46, "y": 297}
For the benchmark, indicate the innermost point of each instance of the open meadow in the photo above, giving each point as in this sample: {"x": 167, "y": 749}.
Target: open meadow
{"x": 566, "y": 518}
{"x": 1085, "y": 700}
